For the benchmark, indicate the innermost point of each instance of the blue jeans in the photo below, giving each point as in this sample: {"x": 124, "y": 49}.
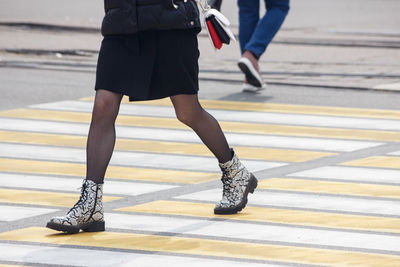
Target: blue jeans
{"x": 255, "y": 34}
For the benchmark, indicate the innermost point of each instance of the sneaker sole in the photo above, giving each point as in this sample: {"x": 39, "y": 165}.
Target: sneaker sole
{"x": 250, "y": 76}
{"x": 87, "y": 227}
{"x": 252, "y": 185}
{"x": 253, "y": 89}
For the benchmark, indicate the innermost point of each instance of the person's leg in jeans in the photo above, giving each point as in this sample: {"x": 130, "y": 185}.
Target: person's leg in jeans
{"x": 249, "y": 16}
{"x": 255, "y": 34}
{"x": 267, "y": 27}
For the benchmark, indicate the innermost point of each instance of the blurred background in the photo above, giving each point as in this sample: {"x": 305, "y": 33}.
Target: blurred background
{"x": 356, "y": 16}
{"x": 342, "y": 44}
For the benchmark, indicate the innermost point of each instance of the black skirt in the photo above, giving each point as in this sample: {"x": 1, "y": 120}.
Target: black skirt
{"x": 150, "y": 64}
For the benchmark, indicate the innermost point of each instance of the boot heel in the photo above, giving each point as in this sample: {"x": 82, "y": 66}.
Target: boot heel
{"x": 253, "y": 184}
{"x": 95, "y": 227}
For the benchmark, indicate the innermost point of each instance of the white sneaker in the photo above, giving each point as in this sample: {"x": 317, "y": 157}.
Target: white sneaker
{"x": 246, "y": 87}
{"x": 252, "y": 75}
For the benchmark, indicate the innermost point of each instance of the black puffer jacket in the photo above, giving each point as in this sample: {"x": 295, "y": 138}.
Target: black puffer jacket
{"x": 131, "y": 16}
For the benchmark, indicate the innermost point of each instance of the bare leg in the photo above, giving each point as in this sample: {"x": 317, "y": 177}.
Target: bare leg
{"x": 101, "y": 139}
{"x": 189, "y": 111}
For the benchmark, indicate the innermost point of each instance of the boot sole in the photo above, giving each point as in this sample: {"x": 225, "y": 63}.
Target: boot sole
{"x": 252, "y": 185}
{"x": 86, "y": 227}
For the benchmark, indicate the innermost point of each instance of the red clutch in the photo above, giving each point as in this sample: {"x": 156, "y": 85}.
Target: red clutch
{"x": 217, "y": 25}
{"x": 214, "y": 36}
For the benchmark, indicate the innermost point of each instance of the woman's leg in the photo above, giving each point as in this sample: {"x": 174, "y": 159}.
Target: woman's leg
{"x": 237, "y": 181}
{"x": 189, "y": 111}
{"x": 101, "y": 139}
{"x": 88, "y": 214}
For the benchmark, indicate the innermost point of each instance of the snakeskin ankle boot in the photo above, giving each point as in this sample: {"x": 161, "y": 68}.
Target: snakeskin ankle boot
{"x": 237, "y": 182}
{"x": 87, "y": 214}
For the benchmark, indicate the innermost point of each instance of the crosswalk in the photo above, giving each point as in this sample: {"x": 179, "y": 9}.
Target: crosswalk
{"x": 328, "y": 194}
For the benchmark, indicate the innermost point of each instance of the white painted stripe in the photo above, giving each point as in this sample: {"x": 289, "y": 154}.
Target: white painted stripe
{"x": 132, "y": 159}
{"x": 298, "y": 200}
{"x": 44, "y": 126}
{"x": 96, "y": 258}
{"x": 388, "y": 86}
{"x": 189, "y": 136}
{"x": 397, "y": 153}
{"x": 226, "y": 229}
{"x": 240, "y": 116}
{"x": 373, "y": 175}
{"x": 71, "y": 184}
{"x": 13, "y": 213}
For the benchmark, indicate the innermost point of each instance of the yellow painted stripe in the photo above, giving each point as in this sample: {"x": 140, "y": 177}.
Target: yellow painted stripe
{"x": 204, "y": 247}
{"x": 281, "y": 108}
{"x": 42, "y": 198}
{"x": 51, "y": 115}
{"x": 75, "y": 169}
{"x": 162, "y": 147}
{"x": 371, "y": 190}
{"x": 237, "y": 127}
{"x": 376, "y": 161}
{"x": 297, "y": 217}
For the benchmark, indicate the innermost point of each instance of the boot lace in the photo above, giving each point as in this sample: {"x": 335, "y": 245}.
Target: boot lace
{"x": 226, "y": 185}
{"x": 82, "y": 198}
